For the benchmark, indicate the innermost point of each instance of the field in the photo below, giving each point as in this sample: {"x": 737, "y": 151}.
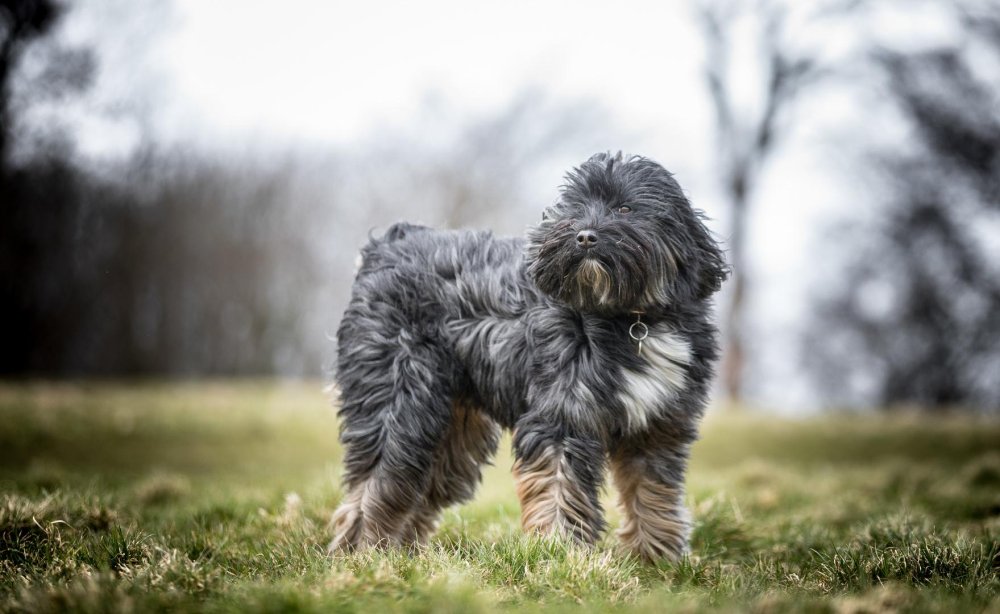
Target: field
{"x": 215, "y": 496}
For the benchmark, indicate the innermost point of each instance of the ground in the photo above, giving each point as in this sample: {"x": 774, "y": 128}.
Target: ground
{"x": 215, "y": 496}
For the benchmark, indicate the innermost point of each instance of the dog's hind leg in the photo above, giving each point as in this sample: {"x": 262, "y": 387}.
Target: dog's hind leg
{"x": 471, "y": 441}
{"x": 395, "y": 412}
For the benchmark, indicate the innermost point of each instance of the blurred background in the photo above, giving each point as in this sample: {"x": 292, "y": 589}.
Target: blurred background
{"x": 184, "y": 185}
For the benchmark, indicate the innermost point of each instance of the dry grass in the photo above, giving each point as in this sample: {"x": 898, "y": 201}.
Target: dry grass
{"x": 215, "y": 496}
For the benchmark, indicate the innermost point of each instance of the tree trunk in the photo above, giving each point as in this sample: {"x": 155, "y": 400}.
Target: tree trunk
{"x": 732, "y": 359}
{"x": 733, "y": 351}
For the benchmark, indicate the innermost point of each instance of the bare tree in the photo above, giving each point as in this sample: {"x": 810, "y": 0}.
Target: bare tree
{"x": 747, "y": 134}
{"x": 915, "y": 316}
{"x": 21, "y": 21}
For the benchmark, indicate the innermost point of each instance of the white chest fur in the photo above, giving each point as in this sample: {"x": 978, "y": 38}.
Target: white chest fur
{"x": 645, "y": 392}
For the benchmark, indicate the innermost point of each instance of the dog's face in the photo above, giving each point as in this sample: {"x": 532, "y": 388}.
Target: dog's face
{"x": 622, "y": 237}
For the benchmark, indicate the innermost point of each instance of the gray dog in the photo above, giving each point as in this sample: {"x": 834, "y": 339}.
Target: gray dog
{"x": 592, "y": 340}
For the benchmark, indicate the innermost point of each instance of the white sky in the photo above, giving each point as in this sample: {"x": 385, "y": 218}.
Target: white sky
{"x": 347, "y": 65}
{"x": 235, "y": 72}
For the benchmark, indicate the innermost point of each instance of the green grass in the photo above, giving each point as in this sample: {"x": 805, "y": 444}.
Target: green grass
{"x": 215, "y": 496}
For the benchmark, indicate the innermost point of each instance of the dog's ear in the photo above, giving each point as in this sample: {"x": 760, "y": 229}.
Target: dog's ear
{"x": 711, "y": 269}
{"x": 713, "y": 273}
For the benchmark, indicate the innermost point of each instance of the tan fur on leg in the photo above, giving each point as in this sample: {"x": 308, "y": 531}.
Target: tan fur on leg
{"x": 420, "y": 525}
{"x": 551, "y": 500}
{"x": 346, "y": 522}
{"x": 363, "y": 520}
{"x": 655, "y": 523}
{"x": 471, "y": 441}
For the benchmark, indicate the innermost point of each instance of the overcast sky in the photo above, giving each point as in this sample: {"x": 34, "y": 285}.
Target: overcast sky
{"x": 237, "y": 74}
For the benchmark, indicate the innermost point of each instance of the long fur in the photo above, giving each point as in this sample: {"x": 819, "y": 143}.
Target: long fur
{"x": 451, "y": 335}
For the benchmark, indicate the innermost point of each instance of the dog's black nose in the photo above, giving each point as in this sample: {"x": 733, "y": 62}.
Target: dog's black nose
{"x": 586, "y": 238}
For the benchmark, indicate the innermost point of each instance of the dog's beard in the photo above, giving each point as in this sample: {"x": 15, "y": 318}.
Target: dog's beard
{"x": 627, "y": 273}
{"x": 592, "y": 284}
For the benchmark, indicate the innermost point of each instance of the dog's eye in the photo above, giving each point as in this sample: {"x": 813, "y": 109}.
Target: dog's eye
{"x": 624, "y": 209}
{"x": 545, "y": 215}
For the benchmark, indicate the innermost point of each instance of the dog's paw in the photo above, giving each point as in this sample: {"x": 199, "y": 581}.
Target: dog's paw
{"x": 346, "y": 525}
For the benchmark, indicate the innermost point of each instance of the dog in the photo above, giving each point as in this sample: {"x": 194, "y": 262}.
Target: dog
{"x": 592, "y": 340}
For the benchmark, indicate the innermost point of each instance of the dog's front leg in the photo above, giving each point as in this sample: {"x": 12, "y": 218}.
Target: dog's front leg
{"x": 558, "y": 475}
{"x": 649, "y": 475}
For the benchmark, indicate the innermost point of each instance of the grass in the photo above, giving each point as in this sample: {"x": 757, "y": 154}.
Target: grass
{"x": 215, "y": 496}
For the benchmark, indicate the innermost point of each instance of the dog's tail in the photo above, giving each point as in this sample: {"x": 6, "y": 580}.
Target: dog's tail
{"x": 370, "y": 257}
{"x": 400, "y": 230}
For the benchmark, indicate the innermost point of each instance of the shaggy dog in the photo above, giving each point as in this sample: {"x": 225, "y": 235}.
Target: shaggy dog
{"x": 592, "y": 340}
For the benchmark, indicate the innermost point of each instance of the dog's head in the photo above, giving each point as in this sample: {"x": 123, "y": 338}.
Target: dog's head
{"x": 622, "y": 237}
